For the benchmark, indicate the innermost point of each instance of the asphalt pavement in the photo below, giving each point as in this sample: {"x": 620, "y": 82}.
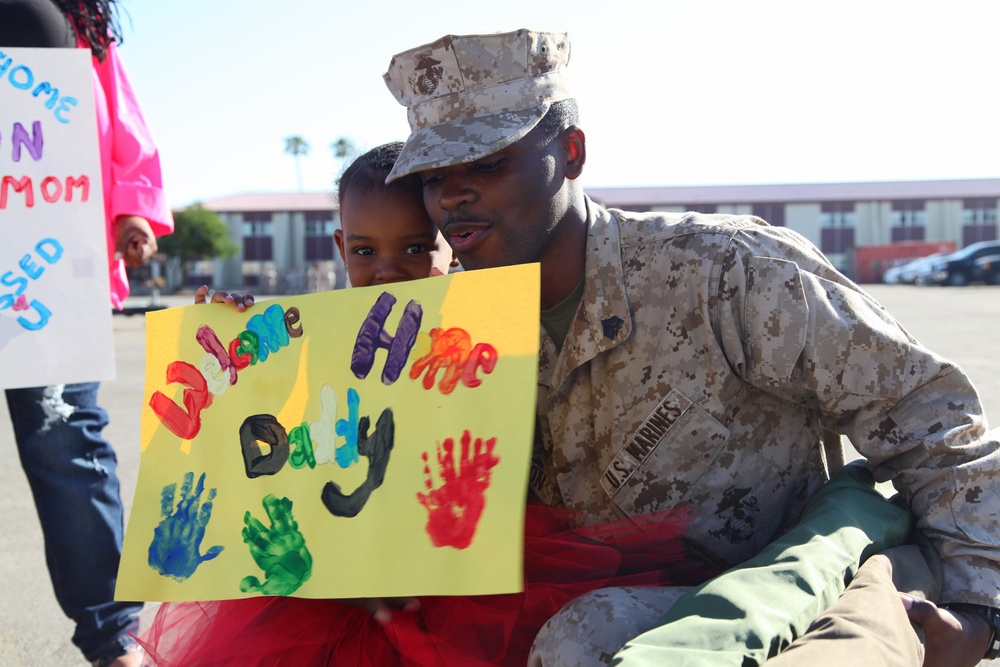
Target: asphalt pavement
{"x": 962, "y": 324}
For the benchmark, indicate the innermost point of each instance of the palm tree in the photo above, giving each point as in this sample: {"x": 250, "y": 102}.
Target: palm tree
{"x": 297, "y": 146}
{"x": 344, "y": 151}
{"x": 343, "y": 148}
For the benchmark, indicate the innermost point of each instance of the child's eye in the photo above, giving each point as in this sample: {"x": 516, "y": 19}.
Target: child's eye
{"x": 363, "y": 250}
{"x": 417, "y": 249}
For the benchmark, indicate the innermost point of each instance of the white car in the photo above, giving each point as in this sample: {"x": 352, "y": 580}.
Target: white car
{"x": 913, "y": 272}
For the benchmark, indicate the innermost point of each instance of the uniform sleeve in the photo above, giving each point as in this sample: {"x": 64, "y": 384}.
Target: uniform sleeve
{"x": 796, "y": 328}
{"x": 136, "y": 179}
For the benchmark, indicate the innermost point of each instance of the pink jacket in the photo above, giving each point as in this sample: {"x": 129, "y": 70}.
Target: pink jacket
{"x": 130, "y": 163}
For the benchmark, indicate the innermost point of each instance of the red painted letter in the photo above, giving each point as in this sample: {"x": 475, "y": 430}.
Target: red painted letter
{"x": 183, "y": 424}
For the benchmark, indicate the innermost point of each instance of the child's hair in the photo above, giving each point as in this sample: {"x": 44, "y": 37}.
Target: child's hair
{"x": 368, "y": 172}
{"x": 95, "y": 22}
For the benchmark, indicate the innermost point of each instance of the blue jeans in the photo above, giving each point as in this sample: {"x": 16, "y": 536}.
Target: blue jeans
{"x": 72, "y": 473}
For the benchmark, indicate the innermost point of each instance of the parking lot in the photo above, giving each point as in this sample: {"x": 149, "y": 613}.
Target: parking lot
{"x": 959, "y": 323}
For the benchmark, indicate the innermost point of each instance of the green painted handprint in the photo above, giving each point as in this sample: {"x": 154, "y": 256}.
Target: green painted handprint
{"x": 280, "y": 551}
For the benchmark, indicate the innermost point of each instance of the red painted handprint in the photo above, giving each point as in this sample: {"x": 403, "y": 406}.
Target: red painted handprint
{"x": 453, "y": 510}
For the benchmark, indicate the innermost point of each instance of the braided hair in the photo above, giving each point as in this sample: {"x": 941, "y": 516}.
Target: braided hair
{"x": 95, "y": 21}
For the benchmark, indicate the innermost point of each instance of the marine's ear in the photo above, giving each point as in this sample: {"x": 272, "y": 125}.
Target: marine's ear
{"x": 575, "y": 143}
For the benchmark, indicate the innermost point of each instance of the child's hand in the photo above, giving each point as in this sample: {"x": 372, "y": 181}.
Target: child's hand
{"x": 381, "y": 608}
{"x": 135, "y": 243}
{"x": 435, "y": 271}
{"x": 241, "y": 302}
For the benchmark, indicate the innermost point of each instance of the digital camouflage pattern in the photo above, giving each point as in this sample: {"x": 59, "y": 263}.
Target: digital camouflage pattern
{"x": 708, "y": 356}
{"x": 591, "y": 629}
{"x": 468, "y": 96}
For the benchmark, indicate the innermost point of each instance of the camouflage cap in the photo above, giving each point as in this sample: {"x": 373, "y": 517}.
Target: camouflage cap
{"x": 468, "y": 96}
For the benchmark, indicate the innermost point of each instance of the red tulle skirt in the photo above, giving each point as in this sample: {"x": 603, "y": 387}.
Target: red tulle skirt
{"x": 560, "y": 564}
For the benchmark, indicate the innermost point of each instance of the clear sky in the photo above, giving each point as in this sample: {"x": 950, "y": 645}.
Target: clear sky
{"x": 671, "y": 91}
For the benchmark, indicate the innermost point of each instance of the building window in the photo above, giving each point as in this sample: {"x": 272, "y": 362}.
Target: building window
{"x": 258, "y": 224}
{"x": 258, "y": 236}
{"x": 774, "y": 214}
{"x": 837, "y": 222}
{"x": 319, "y": 223}
{"x": 909, "y": 220}
{"x": 979, "y": 220}
{"x": 837, "y": 214}
{"x": 979, "y": 212}
{"x": 909, "y": 213}
{"x": 704, "y": 209}
{"x": 319, "y": 235}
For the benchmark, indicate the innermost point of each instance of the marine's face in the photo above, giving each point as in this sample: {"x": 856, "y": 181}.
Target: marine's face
{"x": 499, "y": 210}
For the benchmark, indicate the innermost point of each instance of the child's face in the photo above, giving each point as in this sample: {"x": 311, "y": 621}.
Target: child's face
{"x": 388, "y": 238}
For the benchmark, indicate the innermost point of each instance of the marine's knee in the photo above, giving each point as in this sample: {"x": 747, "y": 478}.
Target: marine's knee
{"x": 590, "y": 630}
{"x": 567, "y": 638}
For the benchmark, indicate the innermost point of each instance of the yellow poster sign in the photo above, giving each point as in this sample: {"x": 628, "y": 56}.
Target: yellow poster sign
{"x": 369, "y": 442}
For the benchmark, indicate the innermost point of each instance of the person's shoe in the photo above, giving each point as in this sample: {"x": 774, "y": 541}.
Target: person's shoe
{"x": 133, "y": 657}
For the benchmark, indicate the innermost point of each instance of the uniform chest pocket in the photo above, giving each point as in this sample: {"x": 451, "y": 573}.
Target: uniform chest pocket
{"x": 665, "y": 457}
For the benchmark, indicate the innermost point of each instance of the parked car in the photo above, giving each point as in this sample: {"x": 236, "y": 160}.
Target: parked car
{"x": 959, "y": 268}
{"x": 918, "y": 272}
{"x": 988, "y": 269}
{"x": 913, "y": 272}
{"x": 891, "y": 275}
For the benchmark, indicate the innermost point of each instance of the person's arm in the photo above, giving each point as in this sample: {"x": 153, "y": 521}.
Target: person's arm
{"x": 801, "y": 331}
{"x": 761, "y": 606}
{"x": 136, "y": 184}
{"x": 136, "y": 206}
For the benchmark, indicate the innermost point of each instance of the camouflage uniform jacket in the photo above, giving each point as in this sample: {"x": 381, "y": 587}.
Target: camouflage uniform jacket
{"x": 707, "y": 357}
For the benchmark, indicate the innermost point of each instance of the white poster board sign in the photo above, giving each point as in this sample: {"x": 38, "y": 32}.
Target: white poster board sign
{"x": 55, "y": 313}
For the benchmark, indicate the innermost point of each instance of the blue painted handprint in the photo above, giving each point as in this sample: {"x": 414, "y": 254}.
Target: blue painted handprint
{"x": 176, "y": 546}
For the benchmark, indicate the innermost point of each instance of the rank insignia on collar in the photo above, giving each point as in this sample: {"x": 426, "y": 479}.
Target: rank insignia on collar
{"x": 612, "y": 326}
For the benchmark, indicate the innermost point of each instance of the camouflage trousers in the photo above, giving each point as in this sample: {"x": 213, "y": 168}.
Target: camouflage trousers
{"x": 867, "y": 620}
{"x": 785, "y": 604}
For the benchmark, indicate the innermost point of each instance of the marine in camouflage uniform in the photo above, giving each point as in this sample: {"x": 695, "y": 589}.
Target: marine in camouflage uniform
{"x": 735, "y": 345}
{"x": 732, "y": 346}
{"x": 709, "y": 354}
